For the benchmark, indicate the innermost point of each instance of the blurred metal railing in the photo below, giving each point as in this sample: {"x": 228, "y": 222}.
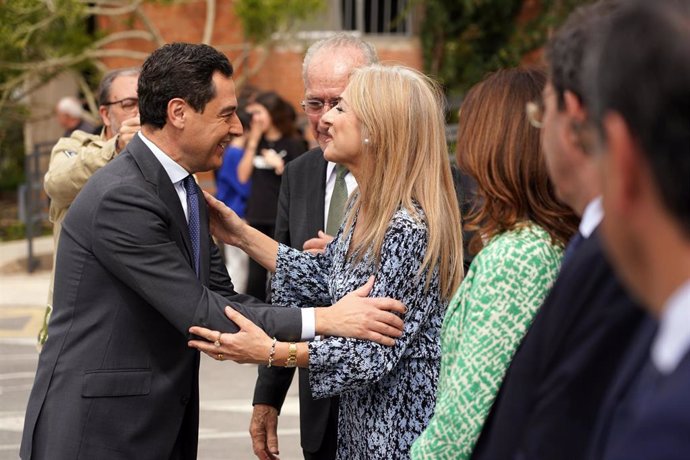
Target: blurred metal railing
{"x": 33, "y": 202}
{"x": 377, "y": 17}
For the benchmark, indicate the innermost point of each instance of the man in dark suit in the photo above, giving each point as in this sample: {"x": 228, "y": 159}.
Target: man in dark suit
{"x": 554, "y": 386}
{"x": 303, "y": 213}
{"x": 639, "y": 100}
{"x": 136, "y": 268}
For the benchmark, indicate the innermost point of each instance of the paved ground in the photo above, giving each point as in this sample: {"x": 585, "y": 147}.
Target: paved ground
{"x": 226, "y": 388}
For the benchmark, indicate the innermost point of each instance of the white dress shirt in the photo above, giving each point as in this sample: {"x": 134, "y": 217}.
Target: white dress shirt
{"x": 591, "y": 217}
{"x": 672, "y": 341}
{"x": 177, "y": 173}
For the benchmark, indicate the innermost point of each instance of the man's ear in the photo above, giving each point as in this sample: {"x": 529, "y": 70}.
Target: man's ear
{"x": 103, "y": 112}
{"x": 577, "y": 117}
{"x": 573, "y": 107}
{"x": 177, "y": 111}
{"x": 626, "y": 163}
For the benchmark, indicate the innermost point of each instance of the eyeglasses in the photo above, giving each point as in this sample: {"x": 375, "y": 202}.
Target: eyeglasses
{"x": 535, "y": 113}
{"x": 316, "y": 106}
{"x": 128, "y": 104}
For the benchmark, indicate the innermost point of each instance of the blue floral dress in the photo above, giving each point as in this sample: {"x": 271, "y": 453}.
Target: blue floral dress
{"x": 387, "y": 394}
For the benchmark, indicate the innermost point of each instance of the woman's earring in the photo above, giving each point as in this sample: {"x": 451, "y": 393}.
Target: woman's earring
{"x": 366, "y": 141}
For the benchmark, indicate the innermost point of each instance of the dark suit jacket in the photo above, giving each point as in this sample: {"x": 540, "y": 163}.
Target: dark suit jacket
{"x": 300, "y": 216}
{"x": 659, "y": 430}
{"x": 548, "y": 402}
{"x": 617, "y": 407}
{"x": 116, "y": 379}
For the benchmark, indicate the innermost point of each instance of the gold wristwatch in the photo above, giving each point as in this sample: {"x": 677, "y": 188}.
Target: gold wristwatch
{"x": 291, "y": 360}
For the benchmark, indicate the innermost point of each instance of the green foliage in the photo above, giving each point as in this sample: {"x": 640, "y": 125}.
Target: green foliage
{"x": 463, "y": 40}
{"x": 33, "y": 32}
{"x": 11, "y": 148}
{"x": 260, "y": 18}
{"x": 15, "y": 230}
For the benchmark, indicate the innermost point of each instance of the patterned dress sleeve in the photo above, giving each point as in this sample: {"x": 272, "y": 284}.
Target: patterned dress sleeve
{"x": 339, "y": 364}
{"x": 301, "y": 278}
{"x": 485, "y": 323}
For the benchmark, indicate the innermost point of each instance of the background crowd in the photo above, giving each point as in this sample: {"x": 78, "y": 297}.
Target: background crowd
{"x": 566, "y": 337}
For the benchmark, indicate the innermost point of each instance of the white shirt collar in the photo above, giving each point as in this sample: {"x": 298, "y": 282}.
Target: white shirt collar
{"x": 330, "y": 167}
{"x": 591, "y": 217}
{"x": 174, "y": 170}
{"x": 672, "y": 341}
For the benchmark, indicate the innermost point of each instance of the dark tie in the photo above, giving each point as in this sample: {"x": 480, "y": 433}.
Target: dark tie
{"x": 193, "y": 217}
{"x": 572, "y": 247}
{"x": 336, "y": 207}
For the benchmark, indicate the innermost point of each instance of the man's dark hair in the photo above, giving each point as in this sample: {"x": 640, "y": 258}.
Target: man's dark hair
{"x": 178, "y": 70}
{"x": 103, "y": 92}
{"x": 565, "y": 51}
{"x": 641, "y": 70}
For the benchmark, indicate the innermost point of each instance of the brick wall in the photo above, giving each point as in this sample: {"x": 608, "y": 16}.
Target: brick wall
{"x": 281, "y": 71}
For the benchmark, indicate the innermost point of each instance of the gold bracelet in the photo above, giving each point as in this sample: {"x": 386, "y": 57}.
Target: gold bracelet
{"x": 291, "y": 360}
{"x": 272, "y": 353}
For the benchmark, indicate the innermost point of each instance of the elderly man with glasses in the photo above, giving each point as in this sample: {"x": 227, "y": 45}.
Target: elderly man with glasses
{"x": 74, "y": 159}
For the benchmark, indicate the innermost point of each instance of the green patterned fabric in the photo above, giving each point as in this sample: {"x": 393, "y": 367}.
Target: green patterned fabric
{"x": 485, "y": 322}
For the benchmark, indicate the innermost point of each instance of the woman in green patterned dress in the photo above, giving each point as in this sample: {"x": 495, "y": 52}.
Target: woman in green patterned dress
{"x": 520, "y": 230}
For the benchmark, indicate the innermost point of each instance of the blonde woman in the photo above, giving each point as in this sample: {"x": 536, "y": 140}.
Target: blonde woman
{"x": 403, "y": 229}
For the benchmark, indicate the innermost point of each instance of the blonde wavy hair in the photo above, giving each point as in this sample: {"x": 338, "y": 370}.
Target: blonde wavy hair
{"x": 405, "y": 160}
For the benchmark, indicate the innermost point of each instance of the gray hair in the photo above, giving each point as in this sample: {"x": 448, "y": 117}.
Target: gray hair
{"x": 70, "y": 106}
{"x": 339, "y": 41}
{"x": 107, "y": 81}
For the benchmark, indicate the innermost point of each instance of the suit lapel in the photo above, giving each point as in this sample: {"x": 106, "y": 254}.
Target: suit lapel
{"x": 317, "y": 189}
{"x": 155, "y": 174}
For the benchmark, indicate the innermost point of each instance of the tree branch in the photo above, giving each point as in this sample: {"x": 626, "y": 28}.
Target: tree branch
{"x": 124, "y": 53}
{"x": 88, "y": 94}
{"x": 114, "y": 10}
{"x": 210, "y": 21}
{"x": 158, "y": 38}
{"x": 124, "y": 35}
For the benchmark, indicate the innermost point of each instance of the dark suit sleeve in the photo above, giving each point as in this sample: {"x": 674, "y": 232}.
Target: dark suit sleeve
{"x": 134, "y": 236}
{"x": 273, "y": 383}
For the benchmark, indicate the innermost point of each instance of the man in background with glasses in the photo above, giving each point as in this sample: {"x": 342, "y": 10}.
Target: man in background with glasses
{"x": 556, "y": 382}
{"x": 310, "y": 210}
{"x": 74, "y": 159}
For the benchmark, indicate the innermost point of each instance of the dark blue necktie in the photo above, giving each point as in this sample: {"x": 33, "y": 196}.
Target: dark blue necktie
{"x": 572, "y": 247}
{"x": 193, "y": 217}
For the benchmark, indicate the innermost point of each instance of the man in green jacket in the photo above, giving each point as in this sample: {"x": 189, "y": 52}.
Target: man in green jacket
{"x": 75, "y": 158}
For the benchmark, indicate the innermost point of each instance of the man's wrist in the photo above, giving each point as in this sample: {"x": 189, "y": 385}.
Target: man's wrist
{"x": 322, "y": 321}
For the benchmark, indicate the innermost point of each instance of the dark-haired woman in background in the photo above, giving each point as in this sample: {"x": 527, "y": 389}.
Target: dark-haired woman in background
{"x": 273, "y": 140}
{"x": 520, "y": 230}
